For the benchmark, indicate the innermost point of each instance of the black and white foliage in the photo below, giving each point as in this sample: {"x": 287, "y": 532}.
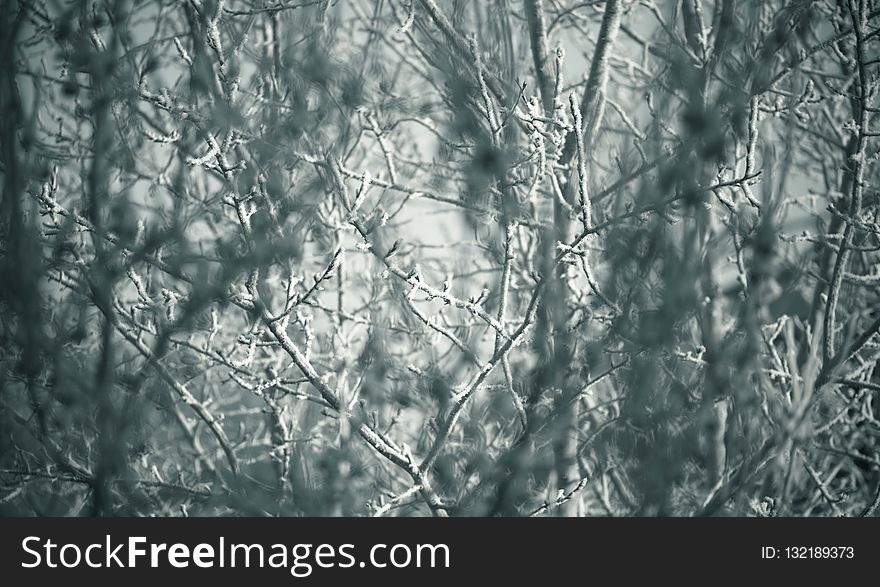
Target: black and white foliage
{"x": 440, "y": 257}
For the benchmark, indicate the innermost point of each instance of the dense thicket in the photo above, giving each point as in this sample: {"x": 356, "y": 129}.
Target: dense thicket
{"x": 414, "y": 257}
